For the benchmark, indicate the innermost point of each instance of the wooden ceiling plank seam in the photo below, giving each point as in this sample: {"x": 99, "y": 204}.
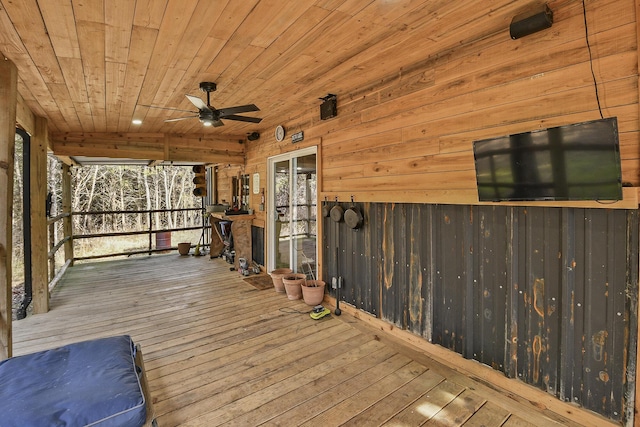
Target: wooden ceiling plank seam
{"x": 386, "y": 29}
{"x": 36, "y": 94}
{"x": 209, "y": 49}
{"x": 149, "y": 13}
{"x": 118, "y": 18}
{"x": 73, "y": 73}
{"x": 193, "y": 41}
{"x": 89, "y": 10}
{"x": 60, "y": 26}
{"x": 29, "y": 96}
{"x": 229, "y": 20}
{"x": 328, "y": 4}
{"x": 26, "y": 19}
{"x": 243, "y": 51}
{"x": 413, "y": 20}
{"x": 143, "y": 40}
{"x": 376, "y": 59}
{"x": 309, "y": 19}
{"x": 399, "y": 15}
{"x": 115, "y": 73}
{"x": 175, "y": 21}
{"x": 60, "y": 23}
{"x": 456, "y": 49}
{"x": 354, "y": 7}
{"x": 300, "y": 46}
{"x": 249, "y": 80}
{"x": 348, "y": 62}
{"x": 91, "y": 35}
{"x": 10, "y": 42}
{"x": 67, "y": 109}
{"x": 243, "y": 26}
{"x": 281, "y": 22}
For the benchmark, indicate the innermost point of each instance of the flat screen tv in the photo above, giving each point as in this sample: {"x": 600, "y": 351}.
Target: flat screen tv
{"x": 574, "y": 162}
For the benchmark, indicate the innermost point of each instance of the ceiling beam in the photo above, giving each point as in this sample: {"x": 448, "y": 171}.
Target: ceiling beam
{"x": 149, "y": 146}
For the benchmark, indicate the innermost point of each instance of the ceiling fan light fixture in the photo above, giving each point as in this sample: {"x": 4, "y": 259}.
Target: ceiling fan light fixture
{"x": 210, "y": 116}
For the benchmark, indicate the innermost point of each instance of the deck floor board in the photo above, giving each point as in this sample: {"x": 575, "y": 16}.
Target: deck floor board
{"x": 220, "y": 352}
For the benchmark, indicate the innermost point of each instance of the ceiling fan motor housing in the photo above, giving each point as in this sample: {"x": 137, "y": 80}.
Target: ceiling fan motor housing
{"x": 208, "y": 87}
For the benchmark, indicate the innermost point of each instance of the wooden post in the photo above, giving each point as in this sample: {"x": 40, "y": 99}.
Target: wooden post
{"x": 39, "y": 234}
{"x": 67, "y": 221}
{"x": 9, "y": 96}
{"x": 52, "y": 243}
{"x": 632, "y": 415}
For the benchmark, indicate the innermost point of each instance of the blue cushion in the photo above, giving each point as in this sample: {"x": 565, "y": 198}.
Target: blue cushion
{"x": 87, "y": 383}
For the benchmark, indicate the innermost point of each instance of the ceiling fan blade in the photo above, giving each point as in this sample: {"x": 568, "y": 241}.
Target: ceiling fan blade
{"x": 180, "y": 118}
{"x": 239, "y": 109}
{"x": 217, "y": 123}
{"x": 165, "y": 108}
{"x": 199, "y": 103}
{"x": 243, "y": 118}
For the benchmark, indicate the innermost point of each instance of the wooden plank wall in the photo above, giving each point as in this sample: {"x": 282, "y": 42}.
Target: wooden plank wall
{"x": 409, "y": 137}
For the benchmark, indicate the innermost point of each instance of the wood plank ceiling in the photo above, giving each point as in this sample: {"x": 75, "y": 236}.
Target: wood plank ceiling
{"x": 90, "y": 65}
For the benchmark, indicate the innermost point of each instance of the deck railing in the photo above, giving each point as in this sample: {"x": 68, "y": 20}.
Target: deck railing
{"x": 150, "y": 230}
{"x": 54, "y": 247}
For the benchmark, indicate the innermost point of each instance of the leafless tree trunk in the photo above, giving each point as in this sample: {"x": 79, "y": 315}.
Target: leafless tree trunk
{"x": 89, "y": 200}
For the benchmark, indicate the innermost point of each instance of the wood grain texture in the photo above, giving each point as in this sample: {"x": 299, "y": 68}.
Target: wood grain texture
{"x": 220, "y": 352}
{"x": 67, "y": 223}
{"x": 417, "y": 81}
{"x": 39, "y": 229}
{"x": 8, "y": 92}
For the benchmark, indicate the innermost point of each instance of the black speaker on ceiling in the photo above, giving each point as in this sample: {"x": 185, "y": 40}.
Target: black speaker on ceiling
{"x": 329, "y": 107}
{"x": 531, "y": 22}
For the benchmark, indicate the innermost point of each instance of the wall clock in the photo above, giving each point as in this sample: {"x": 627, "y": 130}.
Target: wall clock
{"x": 279, "y": 133}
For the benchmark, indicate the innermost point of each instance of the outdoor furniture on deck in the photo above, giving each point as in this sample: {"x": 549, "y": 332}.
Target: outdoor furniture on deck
{"x": 96, "y": 382}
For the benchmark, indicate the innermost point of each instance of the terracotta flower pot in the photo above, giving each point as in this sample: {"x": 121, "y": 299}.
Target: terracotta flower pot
{"x": 293, "y": 285}
{"x": 277, "y": 275}
{"x": 184, "y": 248}
{"x": 313, "y": 292}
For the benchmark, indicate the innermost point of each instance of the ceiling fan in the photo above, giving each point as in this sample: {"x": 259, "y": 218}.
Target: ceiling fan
{"x": 210, "y": 116}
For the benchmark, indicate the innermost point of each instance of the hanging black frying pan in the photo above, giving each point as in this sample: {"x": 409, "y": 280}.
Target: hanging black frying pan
{"x": 336, "y": 212}
{"x": 353, "y": 217}
{"x": 325, "y": 209}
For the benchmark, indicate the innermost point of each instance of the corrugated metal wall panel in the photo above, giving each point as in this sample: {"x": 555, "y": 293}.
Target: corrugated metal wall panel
{"x": 450, "y": 287}
{"x": 490, "y": 284}
{"x": 547, "y": 295}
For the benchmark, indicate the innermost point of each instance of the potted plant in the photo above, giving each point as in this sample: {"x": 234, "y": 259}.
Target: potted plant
{"x": 184, "y": 248}
{"x": 276, "y": 277}
{"x": 313, "y": 292}
{"x": 293, "y": 285}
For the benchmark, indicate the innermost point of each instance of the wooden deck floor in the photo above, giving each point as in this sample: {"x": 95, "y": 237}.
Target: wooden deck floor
{"x": 220, "y": 352}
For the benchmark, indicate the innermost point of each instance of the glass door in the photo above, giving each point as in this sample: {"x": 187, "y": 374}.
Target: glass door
{"x": 292, "y": 216}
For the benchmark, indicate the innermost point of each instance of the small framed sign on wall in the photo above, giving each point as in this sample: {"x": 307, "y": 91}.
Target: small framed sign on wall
{"x": 256, "y": 183}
